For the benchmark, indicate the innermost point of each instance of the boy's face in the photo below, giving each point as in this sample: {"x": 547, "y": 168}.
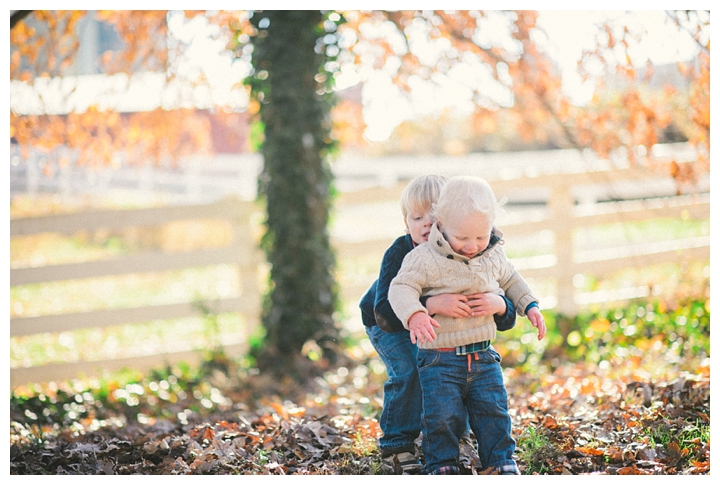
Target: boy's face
{"x": 418, "y": 224}
{"x": 467, "y": 235}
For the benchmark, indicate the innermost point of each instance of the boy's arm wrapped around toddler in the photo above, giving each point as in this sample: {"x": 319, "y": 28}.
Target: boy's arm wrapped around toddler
{"x": 506, "y": 321}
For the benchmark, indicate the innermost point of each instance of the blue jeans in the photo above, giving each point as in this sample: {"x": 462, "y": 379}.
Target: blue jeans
{"x": 402, "y": 401}
{"x": 453, "y": 394}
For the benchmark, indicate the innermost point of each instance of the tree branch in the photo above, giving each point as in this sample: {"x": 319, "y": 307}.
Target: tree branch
{"x": 676, "y": 19}
{"x": 17, "y": 16}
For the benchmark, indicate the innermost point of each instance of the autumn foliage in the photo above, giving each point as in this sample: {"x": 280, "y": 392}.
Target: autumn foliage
{"x": 626, "y": 112}
{"x": 45, "y": 46}
{"x": 633, "y": 117}
{"x": 637, "y": 115}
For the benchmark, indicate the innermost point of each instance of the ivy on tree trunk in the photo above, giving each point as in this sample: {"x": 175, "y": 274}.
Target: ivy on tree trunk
{"x": 288, "y": 81}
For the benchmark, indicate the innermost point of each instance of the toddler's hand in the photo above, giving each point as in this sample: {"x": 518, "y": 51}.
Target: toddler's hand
{"x": 450, "y": 305}
{"x": 537, "y": 321}
{"x": 421, "y": 326}
{"x": 486, "y": 304}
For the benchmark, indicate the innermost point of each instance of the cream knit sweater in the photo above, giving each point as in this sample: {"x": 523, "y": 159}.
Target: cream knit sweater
{"x": 433, "y": 268}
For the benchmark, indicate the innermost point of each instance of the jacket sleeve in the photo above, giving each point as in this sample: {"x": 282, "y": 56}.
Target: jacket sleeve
{"x": 366, "y": 306}
{"x": 384, "y": 315}
{"x": 507, "y": 321}
{"x": 514, "y": 286}
{"x": 406, "y": 288}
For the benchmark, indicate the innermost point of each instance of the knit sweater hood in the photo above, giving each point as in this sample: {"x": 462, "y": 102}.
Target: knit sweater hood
{"x": 433, "y": 268}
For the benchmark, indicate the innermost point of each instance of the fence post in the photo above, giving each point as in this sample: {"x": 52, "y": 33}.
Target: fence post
{"x": 65, "y": 181}
{"x": 33, "y": 174}
{"x": 248, "y": 273}
{"x": 145, "y": 174}
{"x": 192, "y": 181}
{"x": 561, "y": 204}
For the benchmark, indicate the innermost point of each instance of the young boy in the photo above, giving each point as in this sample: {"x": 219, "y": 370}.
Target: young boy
{"x": 459, "y": 371}
{"x": 402, "y": 406}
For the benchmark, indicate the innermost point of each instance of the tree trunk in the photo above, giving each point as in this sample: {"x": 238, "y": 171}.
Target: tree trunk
{"x": 295, "y": 183}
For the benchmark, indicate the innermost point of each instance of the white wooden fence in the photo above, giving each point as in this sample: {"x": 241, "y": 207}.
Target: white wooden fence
{"x": 562, "y": 217}
{"x": 241, "y": 253}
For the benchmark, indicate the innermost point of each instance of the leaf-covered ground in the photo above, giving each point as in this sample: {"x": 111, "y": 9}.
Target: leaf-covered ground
{"x": 577, "y": 419}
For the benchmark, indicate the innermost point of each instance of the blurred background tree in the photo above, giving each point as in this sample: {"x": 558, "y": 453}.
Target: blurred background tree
{"x": 515, "y": 86}
{"x": 293, "y": 94}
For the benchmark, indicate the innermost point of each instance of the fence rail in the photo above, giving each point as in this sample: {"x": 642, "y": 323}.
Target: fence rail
{"x": 566, "y": 208}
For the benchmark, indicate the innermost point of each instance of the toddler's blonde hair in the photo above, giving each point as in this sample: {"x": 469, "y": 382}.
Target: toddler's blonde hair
{"x": 466, "y": 195}
{"x": 421, "y": 193}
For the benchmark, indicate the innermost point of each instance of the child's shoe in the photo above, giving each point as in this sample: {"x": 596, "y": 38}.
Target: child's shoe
{"x": 469, "y": 458}
{"x": 404, "y": 463}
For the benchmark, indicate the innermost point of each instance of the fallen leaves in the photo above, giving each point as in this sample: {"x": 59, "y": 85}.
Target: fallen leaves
{"x": 574, "y": 420}
{"x": 276, "y": 442}
{"x": 595, "y": 423}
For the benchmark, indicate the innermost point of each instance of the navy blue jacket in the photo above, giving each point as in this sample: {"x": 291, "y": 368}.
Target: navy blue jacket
{"x": 375, "y": 307}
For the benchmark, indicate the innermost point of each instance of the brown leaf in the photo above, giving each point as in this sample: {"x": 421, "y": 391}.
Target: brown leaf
{"x": 280, "y": 409}
{"x": 614, "y": 454}
{"x": 631, "y": 470}
{"x": 209, "y": 434}
{"x": 700, "y": 467}
{"x": 549, "y": 422}
{"x": 590, "y": 451}
{"x": 674, "y": 448}
{"x": 107, "y": 466}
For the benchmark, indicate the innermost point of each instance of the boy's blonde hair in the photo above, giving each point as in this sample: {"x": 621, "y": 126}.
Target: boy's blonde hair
{"x": 466, "y": 195}
{"x": 421, "y": 193}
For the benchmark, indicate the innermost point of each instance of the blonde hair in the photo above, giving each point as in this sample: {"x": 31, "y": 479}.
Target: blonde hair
{"x": 467, "y": 195}
{"x": 421, "y": 193}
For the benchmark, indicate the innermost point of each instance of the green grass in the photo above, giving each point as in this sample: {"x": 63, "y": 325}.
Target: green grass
{"x": 534, "y": 447}
{"x": 664, "y": 434}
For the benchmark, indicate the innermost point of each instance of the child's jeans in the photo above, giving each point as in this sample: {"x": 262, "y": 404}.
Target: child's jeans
{"x": 458, "y": 387}
{"x": 402, "y": 401}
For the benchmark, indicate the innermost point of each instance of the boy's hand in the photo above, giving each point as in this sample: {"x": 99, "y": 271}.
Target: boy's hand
{"x": 450, "y": 305}
{"x": 421, "y": 326}
{"x": 537, "y": 321}
{"x": 486, "y": 304}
